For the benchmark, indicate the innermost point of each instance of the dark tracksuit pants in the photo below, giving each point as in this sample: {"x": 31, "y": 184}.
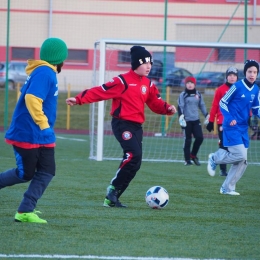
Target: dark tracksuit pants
{"x": 36, "y": 165}
{"x": 129, "y": 135}
{"x": 223, "y": 167}
{"x": 192, "y": 128}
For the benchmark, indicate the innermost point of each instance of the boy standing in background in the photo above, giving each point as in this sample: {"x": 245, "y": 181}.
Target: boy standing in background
{"x": 189, "y": 103}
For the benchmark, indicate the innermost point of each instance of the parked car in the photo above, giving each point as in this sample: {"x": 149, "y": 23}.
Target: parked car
{"x": 156, "y": 72}
{"x": 16, "y": 73}
{"x": 210, "y": 79}
{"x": 175, "y": 76}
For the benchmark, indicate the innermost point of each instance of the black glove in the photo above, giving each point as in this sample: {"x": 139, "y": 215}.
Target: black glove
{"x": 249, "y": 121}
{"x": 210, "y": 126}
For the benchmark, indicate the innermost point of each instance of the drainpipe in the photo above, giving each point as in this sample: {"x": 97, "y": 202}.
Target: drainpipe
{"x": 254, "y": 13}
{"x": 50, "y": 18}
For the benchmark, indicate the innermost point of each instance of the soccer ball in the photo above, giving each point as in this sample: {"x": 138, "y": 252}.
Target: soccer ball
{"x": 157, "y": 197}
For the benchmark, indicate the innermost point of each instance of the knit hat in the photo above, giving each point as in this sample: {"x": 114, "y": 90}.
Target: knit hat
{"x": 232, "y": 70}
{"x": 54, "y": 51}
{"x": 250, "y": 63}
{"x": 139, "y": 55}
{"x": 190, "y": 79}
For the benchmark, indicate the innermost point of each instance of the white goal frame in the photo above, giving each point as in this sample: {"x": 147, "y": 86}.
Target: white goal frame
{"x": 96, "y": 138}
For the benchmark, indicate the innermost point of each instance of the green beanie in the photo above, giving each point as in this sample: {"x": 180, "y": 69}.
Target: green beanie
{"x": 54, "y": 51}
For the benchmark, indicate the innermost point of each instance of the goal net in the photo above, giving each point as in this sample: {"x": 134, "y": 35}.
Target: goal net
{"x": 163, "y": 138}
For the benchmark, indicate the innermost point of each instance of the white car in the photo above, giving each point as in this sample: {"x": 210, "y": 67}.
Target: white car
{"x": 16, "y": 74}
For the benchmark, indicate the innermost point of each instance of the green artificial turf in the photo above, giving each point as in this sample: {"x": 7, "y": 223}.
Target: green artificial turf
{"x": 198, "y": 222}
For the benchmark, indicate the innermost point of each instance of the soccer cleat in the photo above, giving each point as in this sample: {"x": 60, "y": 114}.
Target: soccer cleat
{"x": 31, "y": 217}
{"x": 188, "y": 163}
{"x": 224, "y": 192}
{"x": 195, "y": 159}
{"x": 211, "y": 165}
{"x": 112, "y": 194}
{"x": 109, "y": 204}
{"x": 223, "y": 173}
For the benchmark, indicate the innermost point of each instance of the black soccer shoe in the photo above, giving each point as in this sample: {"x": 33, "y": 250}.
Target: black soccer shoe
{"x": 223, "y": 173}
{"x": 188, "y": 163}
{"x": 196, "y": 160}
{"x": 112, "y": 194}
{"x": 109, "y": 204}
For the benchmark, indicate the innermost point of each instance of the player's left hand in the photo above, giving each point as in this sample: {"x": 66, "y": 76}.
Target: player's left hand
{"x": 233, "y": 122}
{"x": 206, "y": 121}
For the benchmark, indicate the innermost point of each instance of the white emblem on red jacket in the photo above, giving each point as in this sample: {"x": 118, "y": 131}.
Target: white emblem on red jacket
{"x": 143, "y": 89}
{"x": 126, "y": 135}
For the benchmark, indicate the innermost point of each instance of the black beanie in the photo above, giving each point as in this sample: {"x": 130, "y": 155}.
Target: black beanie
{"x": 139, "y": 55}
{"x": 251, "y": 63}
{"x": 232, "y": 70}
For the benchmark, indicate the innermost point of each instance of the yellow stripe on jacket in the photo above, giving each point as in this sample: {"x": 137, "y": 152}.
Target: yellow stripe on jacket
{"x": 34, "y": 106}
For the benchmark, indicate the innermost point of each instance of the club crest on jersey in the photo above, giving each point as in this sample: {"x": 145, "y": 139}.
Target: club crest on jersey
{"x": 143, "y": 89}
{"x": 127, "y": 135}
{"x": 252, "y": 97}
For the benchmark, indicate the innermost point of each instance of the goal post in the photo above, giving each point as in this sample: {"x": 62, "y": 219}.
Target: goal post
{"x": 163, "y": 138}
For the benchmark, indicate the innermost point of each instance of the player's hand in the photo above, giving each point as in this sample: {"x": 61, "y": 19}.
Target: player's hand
{"x": 172, "y": 109}
{"x": 233, "y": 122}
{"x": 47, "y": 132}
{"x": 210, "y": 126}
{"x": 182, "y": 121}
{"x": 71, "y": 101}
{"x": 206, "y": 121}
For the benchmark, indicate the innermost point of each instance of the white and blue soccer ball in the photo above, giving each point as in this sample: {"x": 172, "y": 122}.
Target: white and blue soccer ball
{"x": 157, "y": 197}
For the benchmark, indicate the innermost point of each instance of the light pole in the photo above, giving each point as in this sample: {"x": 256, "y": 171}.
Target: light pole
{"x": 245, "y": 30}
{"x": 7, "y": 65}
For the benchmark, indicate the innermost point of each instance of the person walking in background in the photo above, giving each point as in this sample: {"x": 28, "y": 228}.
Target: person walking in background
{"x": 129, "y": 93}
{"x": 190, "y": 102}
{"x": 235, "y": 106}
{"x": 215, "y": 113}
{"x": 31, "y": 131}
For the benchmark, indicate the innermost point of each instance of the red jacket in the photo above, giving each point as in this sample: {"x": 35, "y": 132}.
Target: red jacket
{"x": 129, "y": 92}
{"x": 215, "y": 111}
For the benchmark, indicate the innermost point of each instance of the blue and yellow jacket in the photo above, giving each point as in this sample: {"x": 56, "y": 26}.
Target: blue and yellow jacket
{"x": 36, "y": 108}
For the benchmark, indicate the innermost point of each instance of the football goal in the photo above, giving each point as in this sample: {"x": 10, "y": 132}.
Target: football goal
{"x": 173, "y": 61}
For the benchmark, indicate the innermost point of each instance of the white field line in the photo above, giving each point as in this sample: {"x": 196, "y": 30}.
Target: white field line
{"x": 95, "y": 257}
{"x": 72, "y": 139}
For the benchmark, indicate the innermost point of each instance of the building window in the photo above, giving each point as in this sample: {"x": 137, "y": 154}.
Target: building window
{"x": 79, "y": 56}
{"x": 124, "y": 57}
{"x": 226, "y": 54}
{"x": 236, "y": 1}
{"x": 18, "y": 53}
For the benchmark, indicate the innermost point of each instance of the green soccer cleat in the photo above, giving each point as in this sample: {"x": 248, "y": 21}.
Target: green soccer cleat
{"x": 112, "y": 194}
{"x": 31, "y": 217}
{"x": 109, "y": 204}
